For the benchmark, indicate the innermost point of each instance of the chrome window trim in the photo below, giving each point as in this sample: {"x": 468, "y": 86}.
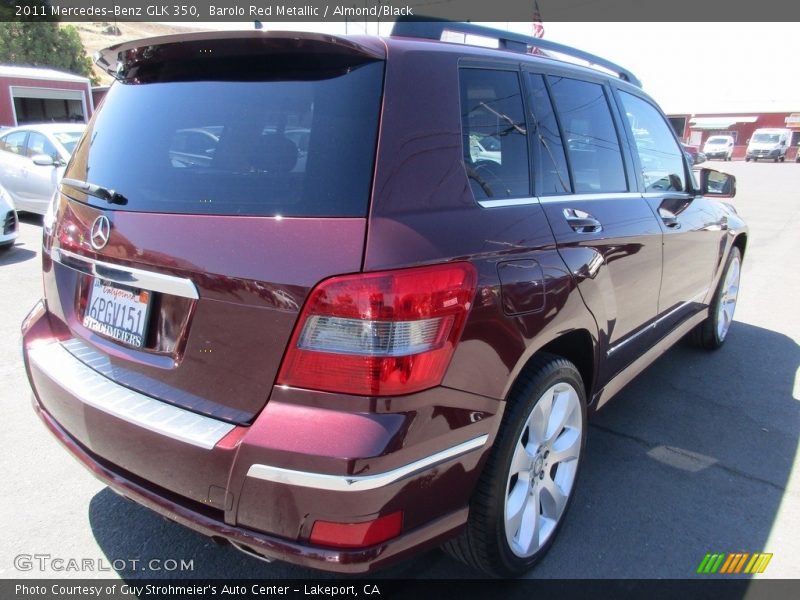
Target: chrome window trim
{"x": 589, "y": 197}
{"x": 508, "y": 202}
{"x": 360, "y": 483}
{"x": 130, "y": 276}
{"x": 560, "y": 198}
{"x": 97, "y": 391}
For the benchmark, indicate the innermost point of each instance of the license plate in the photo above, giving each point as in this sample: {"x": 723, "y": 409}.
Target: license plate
{"x": 117, "y": 312}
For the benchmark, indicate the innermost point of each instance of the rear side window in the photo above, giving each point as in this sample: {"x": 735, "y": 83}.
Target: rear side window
{"x": 494, "y": 135}
{"x": 660, "y": 157}
{"x": 592, "y": 143}
{"x": 292, "y": 144}
{"x": 551, "y": 163}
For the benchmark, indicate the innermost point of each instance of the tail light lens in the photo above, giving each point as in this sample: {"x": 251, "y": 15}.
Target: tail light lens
{"x": 380, "y": 334}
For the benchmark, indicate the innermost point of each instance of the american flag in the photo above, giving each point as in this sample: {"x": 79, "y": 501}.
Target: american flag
{"x": 538, "y": 25}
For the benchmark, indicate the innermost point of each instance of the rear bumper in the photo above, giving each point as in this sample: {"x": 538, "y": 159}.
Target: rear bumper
{"x": 342, "y": 561}
{"x": 265, "y": 485}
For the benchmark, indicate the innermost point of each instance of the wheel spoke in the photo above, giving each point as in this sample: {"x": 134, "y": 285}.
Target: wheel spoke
{"x": 566, "y": 447}
{"x": 561, "y": 411}
{"x": 515, "y": 507}
{"x": 540, "y": 417}
{"x": 553, "y": 498}
{"x": 528, "y": 539}
{"x": 522, "y": 459}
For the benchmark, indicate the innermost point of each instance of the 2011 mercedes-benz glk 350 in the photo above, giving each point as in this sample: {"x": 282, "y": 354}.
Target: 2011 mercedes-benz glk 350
{"x": 289, "y": 305}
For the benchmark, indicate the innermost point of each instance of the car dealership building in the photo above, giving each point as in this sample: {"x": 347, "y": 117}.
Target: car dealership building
{"x": 695, "y": 129}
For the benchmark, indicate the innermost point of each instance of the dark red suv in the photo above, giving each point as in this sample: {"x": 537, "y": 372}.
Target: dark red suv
{"x": 335, "y": 301}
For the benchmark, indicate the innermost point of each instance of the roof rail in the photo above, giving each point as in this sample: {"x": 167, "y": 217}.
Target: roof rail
{"x": 432, "y": 29}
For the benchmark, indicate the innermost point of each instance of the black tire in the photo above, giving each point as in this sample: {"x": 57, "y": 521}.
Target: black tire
{"x": 707, "y": 334}
{"x": 6, "y": 246}
{"x": 783, "y": 158}
{"x": 746, "y": 159}
{"x": 484, "y": 544}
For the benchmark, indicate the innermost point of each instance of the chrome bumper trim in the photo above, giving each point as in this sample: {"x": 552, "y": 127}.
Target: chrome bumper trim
{"x": 138, "y": 278}
{"x": 103, "y": 394}
{"x": 360, "y": 483}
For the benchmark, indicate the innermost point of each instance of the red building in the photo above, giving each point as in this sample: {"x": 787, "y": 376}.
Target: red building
{"x": 34, "y": 95}
{"x": 695, "y": 129}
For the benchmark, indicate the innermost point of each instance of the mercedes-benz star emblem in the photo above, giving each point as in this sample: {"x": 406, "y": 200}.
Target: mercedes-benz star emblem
{"x": 101, "y": 231}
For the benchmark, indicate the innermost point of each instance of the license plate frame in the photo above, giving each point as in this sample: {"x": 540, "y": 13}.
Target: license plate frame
{"x": 118, "y": 312}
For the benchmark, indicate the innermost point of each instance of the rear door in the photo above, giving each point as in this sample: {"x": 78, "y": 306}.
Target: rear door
{"x": 606, "y": 232}
{"x": 218, "y": 223}
{"x": 692, "y": 226}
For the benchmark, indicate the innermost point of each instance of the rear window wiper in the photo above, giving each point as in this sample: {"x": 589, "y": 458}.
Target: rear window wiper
{"x": 97, "y": 191}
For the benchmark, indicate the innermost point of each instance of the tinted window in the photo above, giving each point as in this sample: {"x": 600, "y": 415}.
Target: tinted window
{"x": 660, "y": 156}
{"x": 14, "y": 142}
{"x": 495, "y": 142}
{"x": 592, "y": 142}
{"x": 549, "y": 160}
{"x": 38, "y": 144}
{"x": 290, "y": 145}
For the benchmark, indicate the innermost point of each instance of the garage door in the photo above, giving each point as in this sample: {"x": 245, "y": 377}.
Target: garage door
{"x": 37, "y": 105}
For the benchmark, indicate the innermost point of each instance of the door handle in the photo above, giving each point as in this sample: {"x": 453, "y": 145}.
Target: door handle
{"x": 581, "y": 221}
{"x": 670, "y": 219}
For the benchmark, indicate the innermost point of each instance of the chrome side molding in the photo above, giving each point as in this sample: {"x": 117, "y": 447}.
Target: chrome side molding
{"x": 97, "y": 391}
{"x": 359, "y": 483}
{"x": 138, "y": 278}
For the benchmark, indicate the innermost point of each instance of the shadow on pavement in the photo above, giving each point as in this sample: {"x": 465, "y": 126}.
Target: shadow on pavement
{"x": 692, "y": 457}
{"x": 15, "y": 254}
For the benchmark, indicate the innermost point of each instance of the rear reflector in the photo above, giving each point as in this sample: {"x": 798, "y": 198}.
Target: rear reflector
{"x": 380, "y": 334}
{"x": 357, "y": 535}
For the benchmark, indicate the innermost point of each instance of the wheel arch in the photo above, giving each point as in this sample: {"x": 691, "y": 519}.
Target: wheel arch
{"x": 578, "y": 347}
{"x": 740, "y": 241}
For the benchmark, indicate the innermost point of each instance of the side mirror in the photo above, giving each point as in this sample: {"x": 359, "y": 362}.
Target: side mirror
{"x": 717, "y": 184}
{"x": 43, "y": 160}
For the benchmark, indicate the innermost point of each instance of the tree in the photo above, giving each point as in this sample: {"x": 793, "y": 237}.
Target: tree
{"x": 44, "y": 45}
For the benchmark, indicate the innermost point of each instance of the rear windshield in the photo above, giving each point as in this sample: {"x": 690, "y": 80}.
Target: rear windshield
{"x": 297, "y": 146}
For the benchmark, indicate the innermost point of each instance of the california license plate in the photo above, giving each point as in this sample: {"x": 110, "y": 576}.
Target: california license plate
{"x": 118, "y": 313}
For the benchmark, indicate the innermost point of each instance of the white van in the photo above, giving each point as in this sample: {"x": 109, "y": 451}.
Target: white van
{"x": 768, "y": 143}
{"x": 719, "y": 146}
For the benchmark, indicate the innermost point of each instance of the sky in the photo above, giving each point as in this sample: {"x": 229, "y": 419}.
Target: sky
{"x": 687, "y": 68}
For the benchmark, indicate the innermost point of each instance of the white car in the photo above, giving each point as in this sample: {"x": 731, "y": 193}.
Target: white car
{"x": 8, "y": 221}
{"x": 32, "y": 161}
{"x": 719, "y": 146}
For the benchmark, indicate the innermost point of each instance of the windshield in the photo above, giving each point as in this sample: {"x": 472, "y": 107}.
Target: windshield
{"x": 766, "y": 138}
{"x": 299, "y": 144}
{"x": 68, "y": 139}
{"x": 715, "y": 141}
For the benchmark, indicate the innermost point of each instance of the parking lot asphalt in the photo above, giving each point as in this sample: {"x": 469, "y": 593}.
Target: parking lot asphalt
{"x": 699, "y": 454}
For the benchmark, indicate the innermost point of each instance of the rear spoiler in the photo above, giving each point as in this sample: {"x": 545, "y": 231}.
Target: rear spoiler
{"x": 124, "y": 60}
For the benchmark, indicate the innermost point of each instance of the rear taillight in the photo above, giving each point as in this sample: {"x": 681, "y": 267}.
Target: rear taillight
{"x": 380, "y": 334}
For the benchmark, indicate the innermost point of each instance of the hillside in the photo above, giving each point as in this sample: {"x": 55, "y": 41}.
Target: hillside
{"x": 94, "y": 38}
